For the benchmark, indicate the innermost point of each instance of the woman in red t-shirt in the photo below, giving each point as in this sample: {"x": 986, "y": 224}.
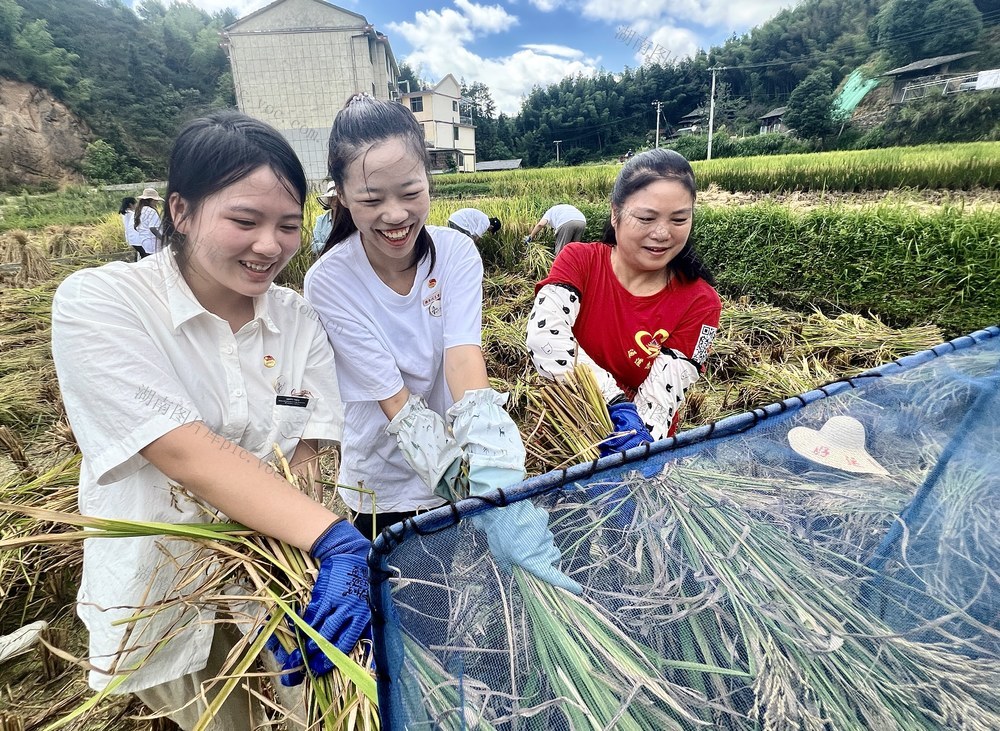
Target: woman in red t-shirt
{"x": 639, "y": 308}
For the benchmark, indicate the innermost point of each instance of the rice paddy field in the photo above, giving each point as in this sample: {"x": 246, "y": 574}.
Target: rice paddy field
{"x": 828, "y": 264}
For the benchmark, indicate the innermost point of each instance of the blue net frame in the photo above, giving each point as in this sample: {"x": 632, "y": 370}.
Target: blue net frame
{"x": 915, "y": 554}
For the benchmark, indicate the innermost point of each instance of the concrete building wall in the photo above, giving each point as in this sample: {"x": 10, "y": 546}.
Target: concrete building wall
{"x": 295, "y": 63}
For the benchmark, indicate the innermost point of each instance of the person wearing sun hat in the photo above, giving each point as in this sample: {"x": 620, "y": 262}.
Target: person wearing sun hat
{"x": 146, "y": 222}
{"x": 324, "y": 222}
{"x": 839, "y": 443}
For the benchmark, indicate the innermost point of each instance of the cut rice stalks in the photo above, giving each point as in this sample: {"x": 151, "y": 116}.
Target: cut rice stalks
{"x": 568, "y": 420}
{"x": 273, "y": 576}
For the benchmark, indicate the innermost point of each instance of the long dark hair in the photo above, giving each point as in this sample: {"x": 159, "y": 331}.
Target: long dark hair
{"x": 127, "y": 203}
{"x": 137, "y": 216}
{"x": 642, "y": 170}
{"x": 363, "y": 123}
{"x": 215, "y": 151}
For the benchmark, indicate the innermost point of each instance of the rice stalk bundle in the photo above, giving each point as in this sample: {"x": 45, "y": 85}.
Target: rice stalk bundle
{"x": 600, "y": 676}
{"x": 271, "y": 575}
{"x": 567, "y": 420}
{"x": 28, "y": 401}
{"x": 33, "y": 266}
{"x": 23, "y": 570}
{"x": 850, "y": 340}
{"x": 741, "y": 587}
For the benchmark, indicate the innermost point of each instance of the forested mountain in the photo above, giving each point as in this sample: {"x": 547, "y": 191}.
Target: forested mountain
{"x": 606, "y": 114}
{"x": 136, "y": 76}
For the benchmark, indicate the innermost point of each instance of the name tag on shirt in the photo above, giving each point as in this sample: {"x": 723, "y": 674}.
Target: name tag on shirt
{"x": 291, "y": 401}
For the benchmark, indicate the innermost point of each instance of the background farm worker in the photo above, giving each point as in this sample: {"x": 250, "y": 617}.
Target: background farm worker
{"x": 638, "y": 307}
{"x": 567, "y": 222}
{"x": 146, "y": 221}
{"x": 184, "y": 369}
{"x": 473, "y": 223}
{"x": 321, "y": 229}
{"x": 402, "y": 303}
{"x": 127, "y": 212}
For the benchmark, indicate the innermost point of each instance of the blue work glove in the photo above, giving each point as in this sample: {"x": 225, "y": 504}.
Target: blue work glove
{"x": 527, "y": 239}
{"x": 338, "y": 608}
{"x": 625, "y": 419}
{"x": 518, "y": 533}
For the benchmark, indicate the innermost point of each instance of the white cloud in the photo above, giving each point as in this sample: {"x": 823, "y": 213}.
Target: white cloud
{"x": 546, "y": 6}
{"x": 440, "y": 39}
{"x": 447, "y": 26}
{"x": 666, "y": 44}
{"x": 551, "y": 49}
{"x": 707, "y": 13}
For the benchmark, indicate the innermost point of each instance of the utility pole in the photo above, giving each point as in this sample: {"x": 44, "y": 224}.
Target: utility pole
{"x": 658, "y": 104}
{"x": 557, "y": 149}
{"x": 711, "y": 110}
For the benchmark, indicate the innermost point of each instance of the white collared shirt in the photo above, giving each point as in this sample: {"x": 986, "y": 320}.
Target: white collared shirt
{"x": 137, "y": 356}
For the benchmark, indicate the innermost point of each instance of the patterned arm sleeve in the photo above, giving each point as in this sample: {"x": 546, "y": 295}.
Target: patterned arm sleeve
{"x": 551, "y": 343}
{"x": 660, "y": 396}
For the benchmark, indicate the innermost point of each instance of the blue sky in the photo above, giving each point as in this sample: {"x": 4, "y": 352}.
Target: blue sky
{"x": 512, "y": 45}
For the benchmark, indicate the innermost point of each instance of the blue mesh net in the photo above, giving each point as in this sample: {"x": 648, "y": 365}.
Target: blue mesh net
{"x": 828, "y": 562}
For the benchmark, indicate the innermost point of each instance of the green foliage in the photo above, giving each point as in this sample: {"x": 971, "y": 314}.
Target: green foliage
{"x": 134, "y": 80}
{"x": 695, "y": 147}
{"x": 810, "y": 107}
{"x": 910, "y": 30}
{"x": 74, "y": 205}
{"x": 103, "y": 164}
{"x": 967, "y": 116}
{"x": 904, "y": 266}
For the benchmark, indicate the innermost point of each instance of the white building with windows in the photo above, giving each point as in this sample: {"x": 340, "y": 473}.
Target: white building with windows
{"x": 296, "y": 62}
{"x": 447, "y": 122}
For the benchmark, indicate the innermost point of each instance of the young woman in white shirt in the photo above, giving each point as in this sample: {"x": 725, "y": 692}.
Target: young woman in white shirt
{"x": 402, "y": 304}
{"x": 146, "y": 221}
{"x": 183, "y": 370}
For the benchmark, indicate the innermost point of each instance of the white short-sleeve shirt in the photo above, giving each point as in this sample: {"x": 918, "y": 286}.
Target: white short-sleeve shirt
{"x": 131, "y": 237}
{"x": 137, "y": 356}
{"x": 146, "y": 240}
{"x": 471, "y": 219}
{"x": 384, "y": 340}
{"x": 562, "y": 214}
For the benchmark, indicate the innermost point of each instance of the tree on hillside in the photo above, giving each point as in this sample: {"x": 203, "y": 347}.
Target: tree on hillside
{"x": 810, "y": 106}
{"x": 957, "y": 25}
{"x": 406, "y": 73}
{"x": 909, "y": 30}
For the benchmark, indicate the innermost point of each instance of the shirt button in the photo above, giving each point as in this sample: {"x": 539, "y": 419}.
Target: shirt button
{"x": 227, "y": 349}
{"x": 253, "y": 325}
{"x": 237, "y": 393}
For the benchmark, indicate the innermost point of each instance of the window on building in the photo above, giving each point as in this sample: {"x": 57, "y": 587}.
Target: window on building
{"x": 454, "y": 106}
{"x": 416, "y": 103}
{"x": 456, "y": 134}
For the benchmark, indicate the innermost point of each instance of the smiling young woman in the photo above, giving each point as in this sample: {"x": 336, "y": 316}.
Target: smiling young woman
{"x": 402, "y": 304}
{"x": 639, "y": 307}
{"x": 185, "y": 369}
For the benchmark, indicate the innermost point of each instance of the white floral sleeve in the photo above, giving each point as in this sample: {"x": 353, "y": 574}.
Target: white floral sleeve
{"x": 551, "y": 343}
{"x": 660, "y": 396}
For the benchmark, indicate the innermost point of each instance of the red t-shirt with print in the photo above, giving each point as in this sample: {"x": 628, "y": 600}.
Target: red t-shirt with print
{"x": 623, "y": 333}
